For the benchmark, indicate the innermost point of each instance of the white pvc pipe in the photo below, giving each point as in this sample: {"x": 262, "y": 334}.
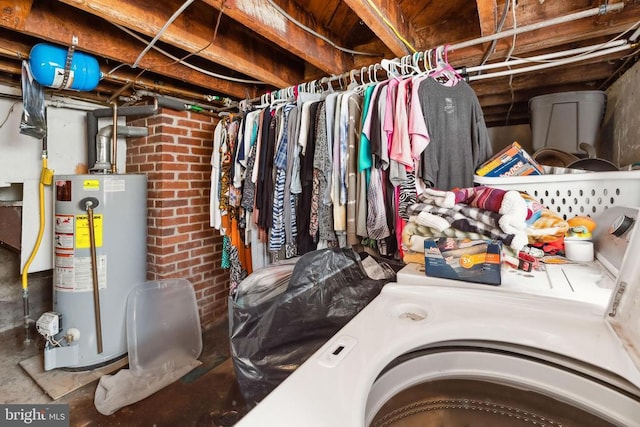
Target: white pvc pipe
{"x": 550, "y": 64}
{"x": 538, "y": 25}
{"x": 544, "y": 57}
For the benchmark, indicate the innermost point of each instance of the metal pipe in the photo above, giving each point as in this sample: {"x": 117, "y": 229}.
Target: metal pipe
{"x": 94, "y": 276}
{"x": 538, "y": 25}
{"x": 550, "y": 64}
{"x": 114, "y": 163}
{"x": 544, "y": 57}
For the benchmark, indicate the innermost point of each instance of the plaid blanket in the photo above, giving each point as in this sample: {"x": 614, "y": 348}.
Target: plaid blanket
{"x": 470, "y": 220}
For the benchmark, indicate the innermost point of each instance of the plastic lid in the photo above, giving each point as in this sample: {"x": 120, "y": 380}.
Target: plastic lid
{"x": 163, "y": 327}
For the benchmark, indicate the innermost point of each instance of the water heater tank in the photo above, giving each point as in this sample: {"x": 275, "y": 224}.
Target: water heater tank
{"x": 120, "y": 234}
{"x": 47, "y": 64}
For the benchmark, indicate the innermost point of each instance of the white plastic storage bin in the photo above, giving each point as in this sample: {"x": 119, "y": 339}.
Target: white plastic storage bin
{"x": 575, "y": 194}
{"x": 564, "y": 120}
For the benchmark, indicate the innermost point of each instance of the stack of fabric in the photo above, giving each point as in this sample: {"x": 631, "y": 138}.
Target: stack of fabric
{"x": 481, "y": 212}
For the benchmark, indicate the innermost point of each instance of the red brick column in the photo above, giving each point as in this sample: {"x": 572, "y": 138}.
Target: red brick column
{"x": 176, "y": 159}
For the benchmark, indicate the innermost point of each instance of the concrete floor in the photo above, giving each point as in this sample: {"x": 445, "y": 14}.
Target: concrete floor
{"x": 207, "y": 396}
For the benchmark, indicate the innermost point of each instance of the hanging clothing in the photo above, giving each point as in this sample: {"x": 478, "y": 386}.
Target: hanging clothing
{"x": 459, "y": 137}
{"x": 214, "y": 199}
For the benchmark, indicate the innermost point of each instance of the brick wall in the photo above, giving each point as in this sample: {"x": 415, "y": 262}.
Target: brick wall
{"x": 176, "y": 158}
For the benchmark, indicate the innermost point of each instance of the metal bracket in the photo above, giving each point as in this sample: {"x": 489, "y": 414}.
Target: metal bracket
{"x": 67, "y": 64}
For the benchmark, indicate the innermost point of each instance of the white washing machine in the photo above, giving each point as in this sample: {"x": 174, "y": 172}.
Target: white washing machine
{"x": 431, "y": 352}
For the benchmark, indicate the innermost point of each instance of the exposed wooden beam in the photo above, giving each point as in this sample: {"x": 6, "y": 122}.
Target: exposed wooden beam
{"x": 53, "y": 22}
{"x": 379, "y": 15}
{"x": 13, "y": 13}
{"x": 193, "y": 32}
{"x": 487, "y": 15}
{"x": 262, "y": 17}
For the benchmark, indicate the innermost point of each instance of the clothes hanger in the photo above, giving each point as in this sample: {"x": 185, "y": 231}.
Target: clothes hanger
{"x": 391, "y": 67}
{"x": 415, "y": 60}
{"x": 444, "y": 70}
{"x": 408, "y": 66}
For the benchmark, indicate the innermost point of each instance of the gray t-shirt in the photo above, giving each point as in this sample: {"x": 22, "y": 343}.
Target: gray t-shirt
{"x": 459, "y": 137}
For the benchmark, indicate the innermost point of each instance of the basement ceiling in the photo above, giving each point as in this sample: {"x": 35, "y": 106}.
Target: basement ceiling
{"x": 238, "y": 49}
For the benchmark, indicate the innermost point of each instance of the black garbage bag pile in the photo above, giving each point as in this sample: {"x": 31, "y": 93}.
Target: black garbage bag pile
{"x": 276, "y": 331}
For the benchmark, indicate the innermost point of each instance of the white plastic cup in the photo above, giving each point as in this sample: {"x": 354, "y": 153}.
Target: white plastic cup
{"x": 579, "y": 250}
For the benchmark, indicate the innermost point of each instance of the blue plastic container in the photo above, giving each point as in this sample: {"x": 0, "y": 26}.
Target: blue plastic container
{"x": 47, "y": 66}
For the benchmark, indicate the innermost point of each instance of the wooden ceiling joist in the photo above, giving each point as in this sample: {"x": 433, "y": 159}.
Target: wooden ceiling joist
{"x": 381, "y": 16}
{"x": 193, "y": 31}
{"x": 54, "y": 23}
{"x": 266, "y": 20}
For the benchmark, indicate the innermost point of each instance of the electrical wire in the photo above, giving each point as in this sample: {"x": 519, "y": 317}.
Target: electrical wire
{"x": 9, "y": 113}
{"x": 318, "y": 35}
{"x": 503, "y": 18}
{"x": 390, "y": 25}
{"x": 513, "y": 46}
{"x": 215, "y": 34}
{"x": 162, "y": 30}
{"x": 186, "y": 64}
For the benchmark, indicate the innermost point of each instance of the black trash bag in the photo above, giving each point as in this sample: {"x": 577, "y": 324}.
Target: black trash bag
{"x": 269, "y": 341}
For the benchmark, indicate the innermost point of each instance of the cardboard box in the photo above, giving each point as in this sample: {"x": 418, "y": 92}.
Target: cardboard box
{"x": 511, "y": 161}
{"x": 476, "y": 261}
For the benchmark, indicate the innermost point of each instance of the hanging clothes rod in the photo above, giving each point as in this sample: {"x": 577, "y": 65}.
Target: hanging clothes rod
{"x": 545, "y": 57}
{"x": 600, "y": 10}
{"x": 555, "y": 63}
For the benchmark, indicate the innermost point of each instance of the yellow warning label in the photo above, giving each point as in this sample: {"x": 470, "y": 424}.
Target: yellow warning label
{"x": 82, "y": 231}
{"x": 91, "y": 184}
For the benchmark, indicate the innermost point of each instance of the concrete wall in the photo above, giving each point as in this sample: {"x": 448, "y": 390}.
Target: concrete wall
{"x": 620, "y": 136}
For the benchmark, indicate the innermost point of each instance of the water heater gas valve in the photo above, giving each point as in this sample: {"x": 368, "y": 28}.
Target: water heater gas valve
{"x": 48, "y": 324}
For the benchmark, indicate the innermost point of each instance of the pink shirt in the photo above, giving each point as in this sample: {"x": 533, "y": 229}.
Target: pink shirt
{"x": 400, "y": 143}
{"x": 417, "y": 126}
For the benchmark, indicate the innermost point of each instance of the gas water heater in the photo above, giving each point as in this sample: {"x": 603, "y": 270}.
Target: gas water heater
{"x": 100, "y": 237}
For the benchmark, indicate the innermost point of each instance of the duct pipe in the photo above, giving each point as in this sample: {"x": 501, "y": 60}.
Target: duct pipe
{"x": 92, "y": 124}
{"x": 140, "y": 110}
{"x": 103, "y": 146}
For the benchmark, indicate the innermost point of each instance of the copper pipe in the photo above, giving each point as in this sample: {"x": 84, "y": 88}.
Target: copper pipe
{"x": 94, "y": 271}
{"x": 114, "y": 148}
